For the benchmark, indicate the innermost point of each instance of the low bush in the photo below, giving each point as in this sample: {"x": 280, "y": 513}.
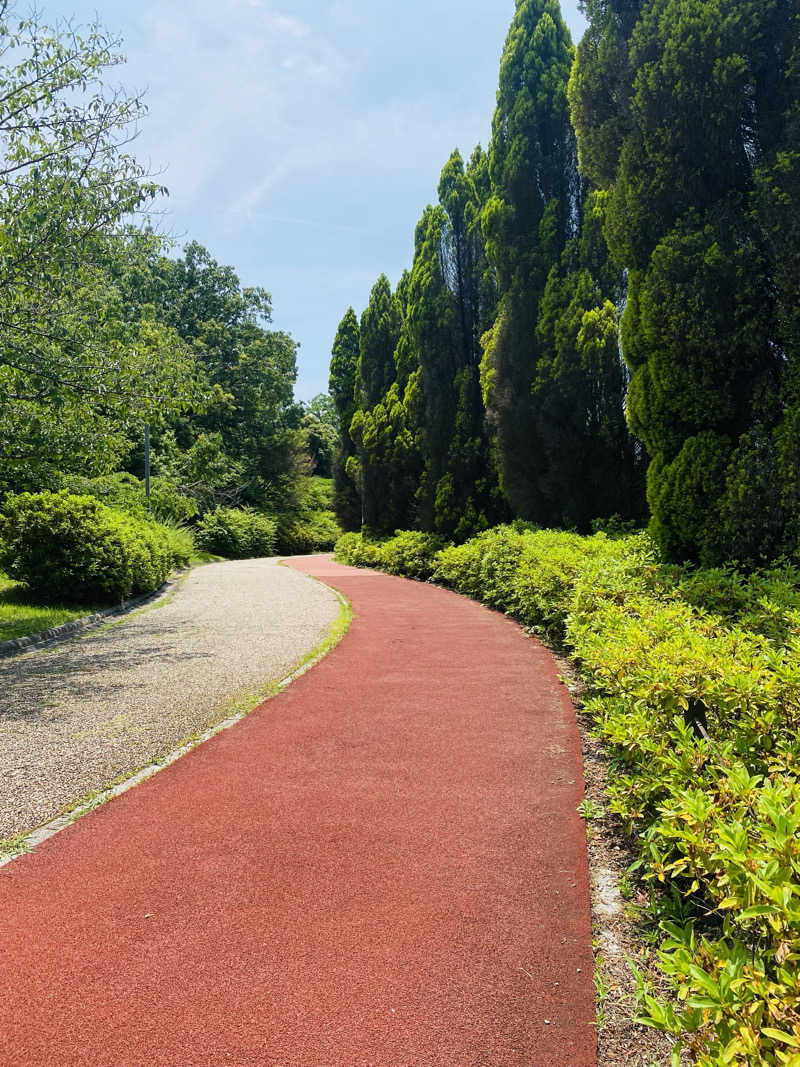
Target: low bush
{"x": 67, "y": 547}
{"x": 237, "y": 533}
{"x": 317, "y": 531}
{"x": 757, "y": 600}
{"x": 409, "y": 553}
{"x": 354, "y": 549}
{"x": 699, "y": 710}
{"x": 181, "y": 543}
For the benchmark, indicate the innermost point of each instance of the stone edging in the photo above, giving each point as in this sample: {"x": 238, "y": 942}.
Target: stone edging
{"x": 58, "y": 633}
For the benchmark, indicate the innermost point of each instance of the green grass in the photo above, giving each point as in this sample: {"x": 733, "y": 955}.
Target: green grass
{"x": 198, "y": 558}
{"x": 20, "y": 615}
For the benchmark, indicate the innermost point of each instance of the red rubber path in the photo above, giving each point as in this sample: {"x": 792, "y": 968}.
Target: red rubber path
{"x": 381, "y": 867}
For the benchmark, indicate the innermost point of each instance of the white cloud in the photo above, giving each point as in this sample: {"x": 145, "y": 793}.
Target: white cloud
{"x": 227, "y": 80}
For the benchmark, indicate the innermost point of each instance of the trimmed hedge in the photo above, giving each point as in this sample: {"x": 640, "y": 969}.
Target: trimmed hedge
{"x": 700, "y": 714}
{"x": 237, "y": 533}
{"x": 67, "y": 547}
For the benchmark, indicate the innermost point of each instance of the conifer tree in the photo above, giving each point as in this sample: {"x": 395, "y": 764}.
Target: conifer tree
{"x": 527, "y": 221}
{"x": 342, "y": 386}
{"x": 452, "y": 301}
{"x": 678, "y": 112}
{"x": 588, "y": 466}
{"x": 380, "y": 331}
{"x": 388, "y": 466}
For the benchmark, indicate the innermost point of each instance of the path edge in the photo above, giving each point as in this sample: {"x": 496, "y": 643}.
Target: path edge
{"x": 45, "y": 638}
{"x": 22, "y": 844}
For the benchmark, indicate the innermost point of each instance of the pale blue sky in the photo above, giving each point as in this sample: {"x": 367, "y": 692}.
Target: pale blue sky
{"x": 301, "y": 141}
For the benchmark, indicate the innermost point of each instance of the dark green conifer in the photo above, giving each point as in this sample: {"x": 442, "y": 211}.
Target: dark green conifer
{"x": 702, "y": 89}
{"x": 527, "y": 221}
{"x": 452, "y": 301}
{"x": 342, "y": 386}
{"x": 589, "y": 466}
{"x": 387, "y": 467}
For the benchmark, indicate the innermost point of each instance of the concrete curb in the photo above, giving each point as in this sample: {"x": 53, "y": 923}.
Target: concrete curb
{"x": 55, "y": 634}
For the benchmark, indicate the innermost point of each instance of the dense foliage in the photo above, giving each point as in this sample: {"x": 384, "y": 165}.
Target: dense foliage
{"x": 76, "y": 373}
{"x": 687, "y": 114}
{"x": 236, "y": 533}
{"x": 491, "y": 382}
{"x": 528, "y": 219}
{"x": 125, "y": 492}
{"x": 714, "y": 809}
{"x": 342, "y": 385}
{"x": 622, "y": 265}
{"x": 67, "y": 547}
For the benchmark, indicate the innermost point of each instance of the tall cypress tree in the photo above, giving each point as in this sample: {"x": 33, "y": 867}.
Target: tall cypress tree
{"x": 527, "y": 221}
{"x": 589, "y": 466}
{"x": 388, "y": 466}
{"x": 380, "y": 331}
{"x": 342, "y": 386}
{"x": 701, "y": 94}
{"x": 777, "y": 214}
{"x": 452, "y": 301}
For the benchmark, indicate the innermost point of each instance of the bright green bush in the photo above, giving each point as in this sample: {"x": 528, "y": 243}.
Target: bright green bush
{"x": 181, "y": 543}
{"x": 354, "y": 549}
{"x": 409, "y": 552}
{"x": 531, "y": 574}
{"x": 717, "y": 818}
{"x": 237, "y": 533}
{"x": 484, "y": 566}
{"x": 758, "y": 600}
{"x": 75, "y": 548}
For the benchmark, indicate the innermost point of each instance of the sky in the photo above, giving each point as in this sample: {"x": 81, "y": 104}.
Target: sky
{"x": 300, "y": 141}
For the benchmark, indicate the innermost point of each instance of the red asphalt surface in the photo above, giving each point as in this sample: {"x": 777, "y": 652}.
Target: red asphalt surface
{"x": 380, "y": 867}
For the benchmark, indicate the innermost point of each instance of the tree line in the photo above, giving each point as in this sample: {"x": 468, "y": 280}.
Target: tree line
{"x": 104, "y": 329}
{"x": 601, "y": 315}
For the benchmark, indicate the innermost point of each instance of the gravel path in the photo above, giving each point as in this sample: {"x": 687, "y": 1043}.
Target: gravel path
{"x": 77, "y": 716}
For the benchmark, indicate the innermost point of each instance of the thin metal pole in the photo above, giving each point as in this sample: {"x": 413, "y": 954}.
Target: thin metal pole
{"x": 147, "y": 463}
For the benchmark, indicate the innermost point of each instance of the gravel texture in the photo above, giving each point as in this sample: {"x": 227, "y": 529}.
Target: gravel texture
{"x": 81, "y": 714}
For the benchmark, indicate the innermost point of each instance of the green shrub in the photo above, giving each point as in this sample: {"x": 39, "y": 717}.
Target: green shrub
{"x": 411, "y": 553}
{"x": 237, "y": 533}
{"x": 127, "y": 493}
{"x": 759, "y": 600}
{"x": 75, "y": 548}
{"x": 181, "y": 543}
{"x": 316, "y": 531}
{"x": 484, "y": 566}
{"x": 354, "y": 549}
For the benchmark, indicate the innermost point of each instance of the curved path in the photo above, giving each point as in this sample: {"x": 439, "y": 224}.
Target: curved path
{"x": 380, "y": 867}
{"x": 82, "y": 713}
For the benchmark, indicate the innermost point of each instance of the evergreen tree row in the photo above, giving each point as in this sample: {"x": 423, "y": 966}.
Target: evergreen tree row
{"x": 608, "y": 293}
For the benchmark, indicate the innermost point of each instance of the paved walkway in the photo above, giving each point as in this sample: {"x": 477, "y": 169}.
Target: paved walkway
{"x": 381, "y": 867}
{"x": 91, "y": 709}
